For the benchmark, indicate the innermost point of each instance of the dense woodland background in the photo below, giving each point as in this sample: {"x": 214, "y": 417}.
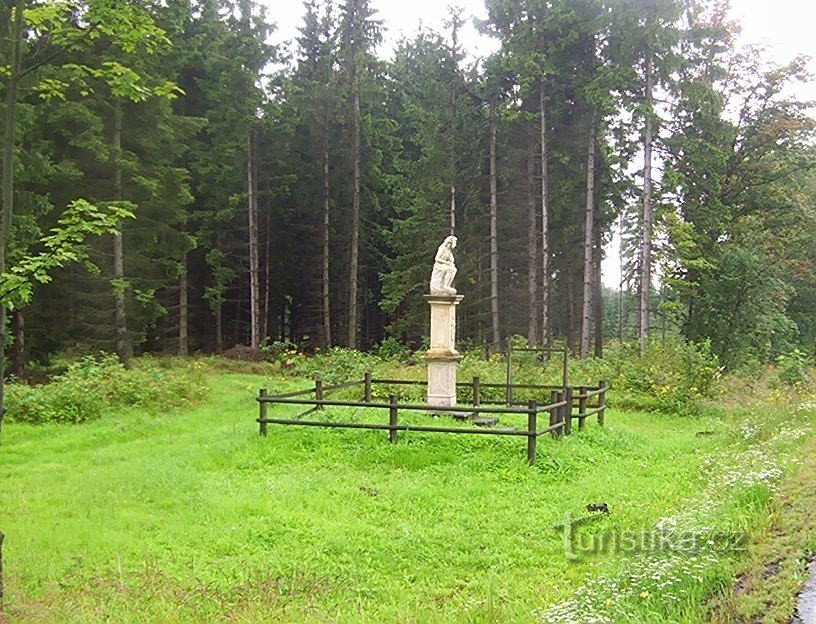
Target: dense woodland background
{"x": 301, "y": 197}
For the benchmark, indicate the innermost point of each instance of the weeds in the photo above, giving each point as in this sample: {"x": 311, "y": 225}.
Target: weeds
{"x": 93, "y": 385}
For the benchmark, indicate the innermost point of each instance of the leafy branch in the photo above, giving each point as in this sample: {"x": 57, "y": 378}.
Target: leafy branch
{"x": 63, "y": 245}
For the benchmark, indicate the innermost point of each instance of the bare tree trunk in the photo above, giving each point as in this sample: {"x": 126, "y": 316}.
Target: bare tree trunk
{"x": 18, "y": 355}
{"x": 646, "y": 242}
{"x": 546, "y": 335}
{"x": 8, "y": 182}
{"x": 123, "y": 347}
{"x": 589, "y": 215}
{"x": 455, "y": 23}
{"x": 219, "y": 328}
{"x": 354, "y": 264}
{"x": 267, "y": 275}
{"x": 184, "y": 341}
{"x": 597, "y": 289}
{"x": 453, "y": 207}
{"x": 572, "y": 312}
{"x": 494, "y": 235}
{"x": 254, "y": 276}
{"x": 621, "y": 281}
{"x": 532, "y": 249}
{"x": 326, "y": 225}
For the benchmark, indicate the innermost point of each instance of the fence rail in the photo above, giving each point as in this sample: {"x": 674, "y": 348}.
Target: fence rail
{"x": 560, "y": 408}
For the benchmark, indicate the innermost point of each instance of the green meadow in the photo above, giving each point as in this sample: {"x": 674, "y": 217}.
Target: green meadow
{"x": 186, "y": 514}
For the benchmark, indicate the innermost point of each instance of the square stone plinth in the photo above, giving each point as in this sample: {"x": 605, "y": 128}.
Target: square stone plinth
{"x": 442, "y": 382}
{"x": 443, "y": 321}
{"x": 442, "y": 357}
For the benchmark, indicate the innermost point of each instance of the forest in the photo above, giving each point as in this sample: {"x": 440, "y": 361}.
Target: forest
{"x": 173, "y": 183}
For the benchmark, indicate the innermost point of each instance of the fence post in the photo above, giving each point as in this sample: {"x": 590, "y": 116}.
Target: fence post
{"x": 508, "y": 392}
{"x": 568, "y": 410}
{"x": 554, "y": 398}
{"x": 582, "y": 406}
{"x": 263, "y": 405}
{"x": 392, "y": 418}
{"x": 532, "y": 431}
{"x": 602, "y": 402}
{"x": 477, "y": 399}
{"x": 367, "y": 384}
{"x": 562, "y": 397}
{"x": 319, "y": 392}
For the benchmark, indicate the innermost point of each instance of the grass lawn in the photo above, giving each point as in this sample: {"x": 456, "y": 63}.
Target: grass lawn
{"x": 190, "y": 516}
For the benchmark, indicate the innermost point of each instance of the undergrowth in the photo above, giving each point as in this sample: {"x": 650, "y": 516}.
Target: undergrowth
{"x": 93, "y": 385}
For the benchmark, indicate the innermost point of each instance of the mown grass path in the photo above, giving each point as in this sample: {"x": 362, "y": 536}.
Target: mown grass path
{"x": 191, "y": 517}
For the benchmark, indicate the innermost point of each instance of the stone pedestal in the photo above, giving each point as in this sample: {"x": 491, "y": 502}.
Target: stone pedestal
{"x": 442, "y": 357}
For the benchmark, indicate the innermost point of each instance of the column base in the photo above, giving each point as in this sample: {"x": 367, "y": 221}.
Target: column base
{"x": 442, "y": 378}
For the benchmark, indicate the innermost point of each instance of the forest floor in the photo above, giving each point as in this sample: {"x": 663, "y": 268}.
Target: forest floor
{"x": 190, "y": 516}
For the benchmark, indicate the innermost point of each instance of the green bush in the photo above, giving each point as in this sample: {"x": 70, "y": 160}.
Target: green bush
{"x": 337, "y": 365}
{"x": 669, "y": 376}
{"x": 279, "y": 350}
{"x": 793, "y": 367}
{"x": 93, "y": 385}
{"x": 393, "y": 349}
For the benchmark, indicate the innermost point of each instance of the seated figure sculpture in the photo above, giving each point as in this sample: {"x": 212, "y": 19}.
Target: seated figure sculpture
{"x": 444, "y": 269}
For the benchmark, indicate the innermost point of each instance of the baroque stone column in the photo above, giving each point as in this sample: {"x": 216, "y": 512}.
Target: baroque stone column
{"x": 442, "y": 357}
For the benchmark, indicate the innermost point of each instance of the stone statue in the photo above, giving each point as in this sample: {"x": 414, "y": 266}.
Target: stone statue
{"x": 444, "y": 270}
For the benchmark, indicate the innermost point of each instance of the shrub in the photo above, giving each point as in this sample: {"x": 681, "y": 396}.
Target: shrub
{"x": 278, "y": 350}
{"x": 670, "y": 376}
{"x": 337, "y": 365}
{"x": 793, "y": 367}
{"x": 93, "y": 385}
{"x": 393, "y": 349}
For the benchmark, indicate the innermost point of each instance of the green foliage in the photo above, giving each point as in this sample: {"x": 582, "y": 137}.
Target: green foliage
{"x": 93, "y": 386}
{"x": 279, "y": 350}
{"x": 338, "y": 365}
{"x": 65, "y": 244}
{"x": 794, "y": 367}
{"x": 670, "y": 376}
{"x": 673, "y": 377}
{"x": 393, "y": 349}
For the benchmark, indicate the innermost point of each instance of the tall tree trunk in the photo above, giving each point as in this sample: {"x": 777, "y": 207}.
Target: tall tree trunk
{"x": 219, "y": 327}
{"x": 455, "y": 23}
{"x": 123, "y": 346}
{"x": 621, "y": 282}
{"x": 267, "y": 274}
{"x": 254, "y": 273}
{"x": 18, "y": 355}
{"x": 183, "y": 336}
{"x": 532, "y": 248}
{"x": 589, "y": 215}
{"x": 8, "y": 175}
{"x": 354, "y": 267}
{"x": 494, "y": 234}
{"x": 546, "y": 335}
{"x": 597, "y": 289}
{"x": 573, "y": 343}
{"x": 646, "y": 241}
{"x": 325, "y": 227}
